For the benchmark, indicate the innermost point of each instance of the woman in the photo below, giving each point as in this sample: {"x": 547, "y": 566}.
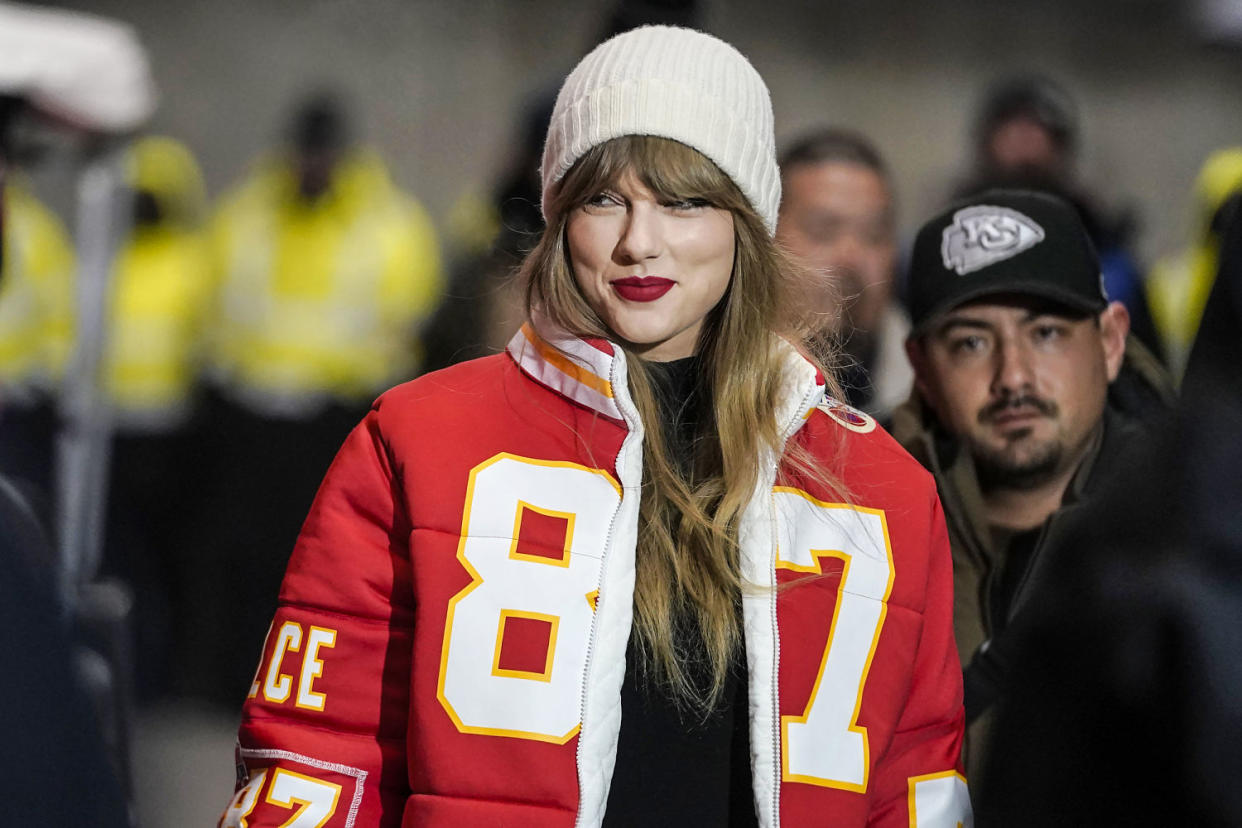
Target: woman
{"x": 569, "y": 585}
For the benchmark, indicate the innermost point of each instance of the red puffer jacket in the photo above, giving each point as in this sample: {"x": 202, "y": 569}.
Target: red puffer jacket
{"x": 450, "y": 644}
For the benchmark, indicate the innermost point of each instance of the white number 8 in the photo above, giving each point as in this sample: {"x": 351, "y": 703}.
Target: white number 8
{"x": 553, "y": 587}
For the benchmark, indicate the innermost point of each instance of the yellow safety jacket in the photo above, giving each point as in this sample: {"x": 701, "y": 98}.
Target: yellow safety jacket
{"x": 160, "y": 293}
{"x": 1178, "y": 287}
{"x": 319, "y": 301}
{"x": 36, "y": 297}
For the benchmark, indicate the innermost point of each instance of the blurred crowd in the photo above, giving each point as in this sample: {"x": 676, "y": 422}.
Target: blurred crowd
{"x": 246, "y": 334}
{"x": 238, "y": 341}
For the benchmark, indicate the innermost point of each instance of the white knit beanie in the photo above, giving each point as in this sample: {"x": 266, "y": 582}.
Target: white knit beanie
{"x": 672, "y": 83}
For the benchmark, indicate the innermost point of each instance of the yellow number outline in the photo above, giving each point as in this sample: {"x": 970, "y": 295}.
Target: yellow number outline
{"x": 476, "y": 580}
{"x": 568, "y": 517}
{"x": 914, "y": 781}
{"x": 817, "y": 568}
{"x": 546, "y": 674}
{"x": 251, "y": 789}
{"x": 292, "y": 801}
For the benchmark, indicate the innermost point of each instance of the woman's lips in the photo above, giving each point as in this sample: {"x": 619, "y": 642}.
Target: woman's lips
{"x": 642, "y": 288}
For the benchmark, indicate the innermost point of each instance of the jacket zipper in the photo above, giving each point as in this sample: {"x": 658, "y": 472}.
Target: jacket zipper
{"x": 776, "y": 677}
{"x": 791, "y": 428}
{"x": 609, "y": 553}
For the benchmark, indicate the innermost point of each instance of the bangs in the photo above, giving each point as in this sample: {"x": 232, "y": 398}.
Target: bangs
{"x": 670, "y": 169}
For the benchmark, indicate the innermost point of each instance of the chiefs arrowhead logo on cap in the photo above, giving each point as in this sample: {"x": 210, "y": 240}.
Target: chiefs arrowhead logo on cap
{"x": 983, "y": 235}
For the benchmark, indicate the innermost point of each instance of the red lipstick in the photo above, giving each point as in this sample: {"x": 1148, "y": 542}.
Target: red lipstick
{"x": 642, "y": 288}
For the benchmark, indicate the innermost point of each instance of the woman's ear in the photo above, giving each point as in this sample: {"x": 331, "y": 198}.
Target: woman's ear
{"x": 1114, "y": 327}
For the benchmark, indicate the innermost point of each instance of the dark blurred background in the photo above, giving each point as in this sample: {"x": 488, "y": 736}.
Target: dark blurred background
{"x": 447, "y": 94}
{"x": 438, "y": 87}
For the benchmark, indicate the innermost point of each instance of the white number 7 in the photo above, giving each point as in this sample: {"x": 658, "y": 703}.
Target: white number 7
{"x": 317, "y": 798}
{"x": 825, "y": 745}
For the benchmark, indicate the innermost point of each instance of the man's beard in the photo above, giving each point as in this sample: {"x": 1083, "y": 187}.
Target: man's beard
{"x": 1017, "y": 466}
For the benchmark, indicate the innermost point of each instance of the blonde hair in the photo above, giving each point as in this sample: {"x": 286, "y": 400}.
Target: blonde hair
{"x": 688, "y": 570}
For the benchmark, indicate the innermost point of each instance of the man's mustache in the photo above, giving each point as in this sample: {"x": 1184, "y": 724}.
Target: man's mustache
{"x": 1045, "y": 407}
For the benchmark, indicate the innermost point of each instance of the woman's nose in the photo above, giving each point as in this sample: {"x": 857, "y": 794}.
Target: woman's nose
{"x": 641, "y": 237}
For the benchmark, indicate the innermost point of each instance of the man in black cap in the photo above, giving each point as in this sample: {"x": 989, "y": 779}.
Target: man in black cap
{"x": 1027, "y": 135}
{"x": 1026, "y": 394}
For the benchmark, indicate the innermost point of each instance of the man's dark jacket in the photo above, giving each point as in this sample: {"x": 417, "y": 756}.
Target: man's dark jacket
{"x": 1138, "y": 401}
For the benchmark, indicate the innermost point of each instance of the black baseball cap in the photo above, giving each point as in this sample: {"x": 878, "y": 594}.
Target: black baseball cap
{"x": 1003, "y": 241}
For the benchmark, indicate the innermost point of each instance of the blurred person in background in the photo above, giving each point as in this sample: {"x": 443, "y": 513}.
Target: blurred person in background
{"x": 36, "y": 335}
{"x": 838, "y": 216}
{"x": 1213, "y": 383}
{"x": 56, "y": 768}
{"x": 160, "y": 291}
{"x": 541, "y": 588}
{"x": 481, "y": 304}
{"x": 1026, "y": 401}
{"x": 1179, "y": 285}
{"x": 324, "y": 271}
{"x": 1026, "y": 136}
{"x": 1122, "y": 705}
{"x": 508, "y": 216}
{"x": 88, "y": 74}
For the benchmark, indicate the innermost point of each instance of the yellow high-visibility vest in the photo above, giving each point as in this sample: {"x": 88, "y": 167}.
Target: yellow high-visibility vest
{"x": 320, "y": 300}
{"x": 1179, "y": 285}
{"x": 160, "y": 294}
{"x": 36, "y": 296}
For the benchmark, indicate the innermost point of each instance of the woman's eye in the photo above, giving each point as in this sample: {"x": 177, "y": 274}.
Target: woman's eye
{"x": 603, "y": 199}
{"x": 685, "y": 204}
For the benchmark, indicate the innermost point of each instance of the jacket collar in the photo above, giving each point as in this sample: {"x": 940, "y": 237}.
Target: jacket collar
{"x": 581, "y": 369}
{"x": 592, "y": 372}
